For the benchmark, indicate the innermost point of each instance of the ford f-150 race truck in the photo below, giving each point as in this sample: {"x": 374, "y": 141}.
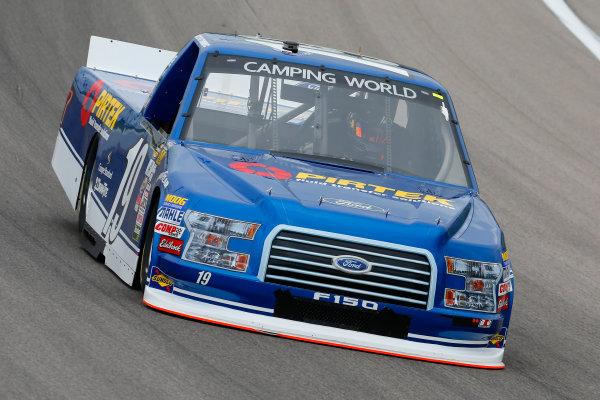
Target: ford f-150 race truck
{"x": 290, "y": 189}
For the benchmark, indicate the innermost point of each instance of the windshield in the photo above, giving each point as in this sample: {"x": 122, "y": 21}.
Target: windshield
{"x": 312, "y": 113}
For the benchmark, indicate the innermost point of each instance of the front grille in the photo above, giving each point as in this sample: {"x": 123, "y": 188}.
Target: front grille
{"x": 304, "y": 261}
{"x": 384, "y": 322}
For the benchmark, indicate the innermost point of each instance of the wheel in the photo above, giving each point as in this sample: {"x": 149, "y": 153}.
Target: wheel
{"x": 88, "y": 168}
{"x": 146, "y": 252}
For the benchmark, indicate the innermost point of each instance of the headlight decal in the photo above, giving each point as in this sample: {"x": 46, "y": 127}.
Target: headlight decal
{"x": 209, "y": 240}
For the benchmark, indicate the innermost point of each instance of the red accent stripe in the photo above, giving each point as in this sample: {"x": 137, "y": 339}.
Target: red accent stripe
{"x": 201, "y": 319}
{"x": 324, "y": 342}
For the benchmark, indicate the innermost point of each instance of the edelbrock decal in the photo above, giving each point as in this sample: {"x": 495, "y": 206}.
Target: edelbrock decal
{"x": 170, "y": 245}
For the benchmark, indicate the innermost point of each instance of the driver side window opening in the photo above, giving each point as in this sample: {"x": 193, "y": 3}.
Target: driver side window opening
{"x": 166, "y": 98}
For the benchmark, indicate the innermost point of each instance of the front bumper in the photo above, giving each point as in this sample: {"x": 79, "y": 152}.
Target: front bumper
{"x": 191, "y": 304}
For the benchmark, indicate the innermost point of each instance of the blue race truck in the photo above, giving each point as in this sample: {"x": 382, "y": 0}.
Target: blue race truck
{"x": 290, "y": 189}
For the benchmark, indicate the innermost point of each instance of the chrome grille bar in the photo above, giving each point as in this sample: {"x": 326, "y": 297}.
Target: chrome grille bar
{"x": 349, "y": 289}
{"x": 353, "y": 250}
{"x": 341, "y": 278}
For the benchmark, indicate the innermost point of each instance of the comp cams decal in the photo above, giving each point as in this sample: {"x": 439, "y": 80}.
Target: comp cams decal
{"x": 277, "y": 173}
{"x": 504, "y": 288}
{"x": 164, "y": 228}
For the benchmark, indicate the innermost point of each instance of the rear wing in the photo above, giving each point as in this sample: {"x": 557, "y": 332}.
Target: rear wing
{"x": 127, "y": 58}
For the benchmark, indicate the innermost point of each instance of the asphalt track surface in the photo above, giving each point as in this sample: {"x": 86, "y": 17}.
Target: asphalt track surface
{"x": 527, "y": 96}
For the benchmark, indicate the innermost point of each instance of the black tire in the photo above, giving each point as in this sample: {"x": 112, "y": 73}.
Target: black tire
{"x": 146, "y": 251}
{"x": 88, "y": 168}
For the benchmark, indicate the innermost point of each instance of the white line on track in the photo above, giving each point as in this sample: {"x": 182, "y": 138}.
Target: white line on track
{"x": 588, "y": 37}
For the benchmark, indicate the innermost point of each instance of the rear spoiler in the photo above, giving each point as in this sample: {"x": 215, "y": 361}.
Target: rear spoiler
{"x": 127, "y": 58}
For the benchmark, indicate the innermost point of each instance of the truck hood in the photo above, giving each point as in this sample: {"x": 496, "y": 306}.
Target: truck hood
{"x": 306, "y": 193}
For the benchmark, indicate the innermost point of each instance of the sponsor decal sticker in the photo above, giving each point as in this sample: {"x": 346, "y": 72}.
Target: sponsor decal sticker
{"x": 167, "y": 229}
{"x": 266, "y": 171}
{"x": 503, "y": 303}
{"x": 164, "y": 180}
{"x": 498, "y": 340}
{"x": 105, "y": 171}
{"x": 175, "y": 201}
{"x": 316, "y": 75}
{"x": 485, "y": 323}
{"x": 161, "y": 280}
{"x": 169, "y": 214}
{"x": 170, "y": 245}
{"x": 507, "y": 273}
{"x": 101, "y": 104}
{"x": 160, "y": 157}
{"x": 504, "y": 288}
{"x": 101, "y": 188}
{"x": 353, "y": 204}
{"x": 142, "y": 199}
{"x": 150, "y": 169}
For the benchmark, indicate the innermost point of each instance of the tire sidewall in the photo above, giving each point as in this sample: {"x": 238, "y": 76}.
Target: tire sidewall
{"x": 146, "y": 252}
{"x": 88, "y": 171}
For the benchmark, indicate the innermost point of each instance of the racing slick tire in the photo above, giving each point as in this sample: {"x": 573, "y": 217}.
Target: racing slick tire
{"x": 146, "y": 250}
{"x": 88, "y": 168}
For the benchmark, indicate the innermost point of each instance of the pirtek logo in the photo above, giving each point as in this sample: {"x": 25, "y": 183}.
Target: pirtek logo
{"x": 264, "y": 170}
{"x": 106, "y": 107}
{"x": 170, "y": 245}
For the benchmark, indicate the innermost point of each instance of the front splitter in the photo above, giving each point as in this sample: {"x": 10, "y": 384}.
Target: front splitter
{"x": 490, "y": 358}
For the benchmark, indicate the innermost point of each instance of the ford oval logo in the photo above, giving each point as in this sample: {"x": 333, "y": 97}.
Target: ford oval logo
{"x": 352, "y": 264}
